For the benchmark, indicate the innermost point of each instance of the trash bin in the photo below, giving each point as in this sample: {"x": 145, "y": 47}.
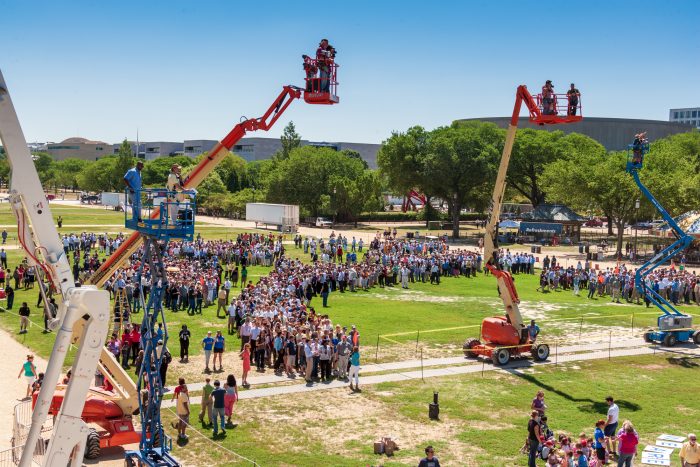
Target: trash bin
{"x": 533, "y": 249}
{"x": 538, "y": 249}
{"x": 601, "y": 256}
{"x": 589, "y": 256}
{"x": 580, "y": 248}
{"x": 588, "y": 248}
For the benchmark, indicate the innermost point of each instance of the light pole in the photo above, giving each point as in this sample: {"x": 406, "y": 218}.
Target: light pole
{"x": 636, "y": 229}
{"x": 335, "y": 210}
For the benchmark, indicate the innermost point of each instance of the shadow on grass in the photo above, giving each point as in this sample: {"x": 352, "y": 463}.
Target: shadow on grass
{"x": 685, "y": 362}
{"x": 586, "y": 404}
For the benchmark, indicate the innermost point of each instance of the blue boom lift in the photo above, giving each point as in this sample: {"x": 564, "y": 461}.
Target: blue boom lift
{"x": 166, "y": 215}
{"x": 672, "y": 326}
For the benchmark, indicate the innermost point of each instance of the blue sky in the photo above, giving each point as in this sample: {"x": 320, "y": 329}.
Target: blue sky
{"x": 182, "y": 70}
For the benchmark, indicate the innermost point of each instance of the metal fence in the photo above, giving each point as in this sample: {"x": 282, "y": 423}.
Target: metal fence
{"x": 20, "y": 430}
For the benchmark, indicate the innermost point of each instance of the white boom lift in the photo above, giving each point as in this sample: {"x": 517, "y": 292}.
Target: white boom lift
{"x": 39, "y": 238}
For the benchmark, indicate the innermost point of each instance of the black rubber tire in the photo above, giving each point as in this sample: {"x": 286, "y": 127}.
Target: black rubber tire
{"x": 540, "y": 352}
{"x": 500, "y": 356}
{"x": 468, "y": 345}
{"x": 696, "y": 337}
{"x": 670, "y": 340}
{"x": 129, "y": 462}
{"x": 647, "y": 337}
{"x": 92, "y": 446}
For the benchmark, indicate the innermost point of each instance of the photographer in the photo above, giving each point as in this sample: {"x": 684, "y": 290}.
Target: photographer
{"x": 325, "y": 55}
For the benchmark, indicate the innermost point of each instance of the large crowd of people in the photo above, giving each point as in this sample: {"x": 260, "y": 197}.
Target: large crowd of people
{"x": 678, "y": 286}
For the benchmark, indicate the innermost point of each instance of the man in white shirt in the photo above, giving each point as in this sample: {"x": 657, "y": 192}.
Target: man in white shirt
{"x": 611, "y": 424}
{"x": 231, "y": 318}
{"x": 245, "y": 333}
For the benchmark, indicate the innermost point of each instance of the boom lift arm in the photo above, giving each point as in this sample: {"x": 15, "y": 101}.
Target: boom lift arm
{"x": 199, "y": 173}
{"x": 85, "y": 305}
{"x": 683, "y": 240}
{"x": 506, "y": 287}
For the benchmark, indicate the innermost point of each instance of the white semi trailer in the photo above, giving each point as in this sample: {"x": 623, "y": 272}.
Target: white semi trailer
{"x": 283, "y": 216}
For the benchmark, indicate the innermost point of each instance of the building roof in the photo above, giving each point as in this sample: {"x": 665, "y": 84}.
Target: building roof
{"x": 553, "y": 212}
{"x": 79, "y": 140}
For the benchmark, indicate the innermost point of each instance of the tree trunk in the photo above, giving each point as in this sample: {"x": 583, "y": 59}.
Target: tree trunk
{"x": 610, "y": 224}
{"x": 620, "y": 235}
{"x": 456, "y": 210}
{"x": 428, "y": 210}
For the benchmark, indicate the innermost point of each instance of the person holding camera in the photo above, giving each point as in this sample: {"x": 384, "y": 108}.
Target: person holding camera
{"x": 325, "y": 54}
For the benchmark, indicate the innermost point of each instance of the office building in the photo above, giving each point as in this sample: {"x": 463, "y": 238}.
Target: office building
{"x": 613, "y": 133}
{"x": 79, "y": 148}
{"x": 689, "y": 116}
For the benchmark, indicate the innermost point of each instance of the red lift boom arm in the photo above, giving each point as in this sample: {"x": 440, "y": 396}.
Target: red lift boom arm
{"x": 199, "y": 173}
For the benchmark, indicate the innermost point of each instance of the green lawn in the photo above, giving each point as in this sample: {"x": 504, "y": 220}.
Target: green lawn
{"x": 482, "y": 418}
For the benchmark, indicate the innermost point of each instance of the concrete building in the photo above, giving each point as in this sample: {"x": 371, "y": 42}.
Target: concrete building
{"x": 141, "y": 152}
{"x": 255, "y": 149}
{"x": 613, "y": 133}
{"x": 194, "y": 147}
{"x": 156, "y": 149}
{"x": 689, "y": 116}
{"x": 250, "y": 149}
{"x": 79, "y": 148}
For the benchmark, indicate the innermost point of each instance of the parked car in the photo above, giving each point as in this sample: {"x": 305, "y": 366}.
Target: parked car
{"x": 323, "y": 222}
{"x": 595, "y": 222}
{"x": 642, "y": 226}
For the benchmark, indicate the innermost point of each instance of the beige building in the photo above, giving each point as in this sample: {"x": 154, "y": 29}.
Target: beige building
{"x": 79, "y": 148}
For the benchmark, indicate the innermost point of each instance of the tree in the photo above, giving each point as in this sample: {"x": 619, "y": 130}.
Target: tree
{"x": 232, "y": 171}
{"x": 461, "y": 164}
{"x": 532, "y": 151}
{"x": 155, "y": 172}
{"x": 290, "y": 140}
{"x": 44, "y": 165}
{"x": 401, "y": 161}
{"x": 309, "y": 177}
{"x": 210, "y": 186}
{"x": 67, "y": 172}
{"x": 351, "y": 153}
{"x": 99, "y": 176}
{"x": 124, "y": 162}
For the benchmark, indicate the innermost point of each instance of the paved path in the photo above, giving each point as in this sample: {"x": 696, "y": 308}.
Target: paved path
{"x": 463, "y": 366}
{"x": 13, "y": 389}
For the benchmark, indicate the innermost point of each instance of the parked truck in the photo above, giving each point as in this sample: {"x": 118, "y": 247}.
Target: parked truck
{"x": 284, "y": 216}
{"x": 115, "y": 200}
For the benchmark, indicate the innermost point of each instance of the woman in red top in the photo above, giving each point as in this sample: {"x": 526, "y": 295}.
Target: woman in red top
{"x": 628, "y": 446}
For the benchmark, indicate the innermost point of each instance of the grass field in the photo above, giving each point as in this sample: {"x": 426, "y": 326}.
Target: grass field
{"x": 482, "y": 419}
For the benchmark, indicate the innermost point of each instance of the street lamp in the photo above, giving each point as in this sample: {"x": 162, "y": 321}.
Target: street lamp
{"x": 636, "y": 219}
{"x": 335, "y": 210}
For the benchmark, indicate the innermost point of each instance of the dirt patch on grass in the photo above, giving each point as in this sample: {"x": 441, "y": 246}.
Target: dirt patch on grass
{"x": 370, "y": 419}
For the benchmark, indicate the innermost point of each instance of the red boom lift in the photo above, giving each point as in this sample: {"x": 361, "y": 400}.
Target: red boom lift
{"x": 112, "y": 412}
{"x": 503, "y": 337}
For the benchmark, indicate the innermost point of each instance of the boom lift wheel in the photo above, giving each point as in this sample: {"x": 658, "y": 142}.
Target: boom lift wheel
{"x": 647, "y": 337}
{"x": 696, "y": 337}
{"x": 469, "y": 344}
{"x": 540, "y": 352}
{"x": 670, "y": 340}
{"x": 92, "y": 446}
{"x": 500, "y": 356}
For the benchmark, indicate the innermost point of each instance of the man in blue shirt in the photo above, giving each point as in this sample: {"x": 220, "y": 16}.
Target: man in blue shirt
{"x": 218, "y": 412}
{"x": 207, "y": 345}
{"x": 132, "y": 179}
{"x": 533, "y": 331}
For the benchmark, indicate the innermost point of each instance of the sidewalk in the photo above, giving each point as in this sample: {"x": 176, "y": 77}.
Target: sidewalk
{"x": 397, "y": 367}
{"x": 475, "y": 367}
{"x": 14, "y": 355}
